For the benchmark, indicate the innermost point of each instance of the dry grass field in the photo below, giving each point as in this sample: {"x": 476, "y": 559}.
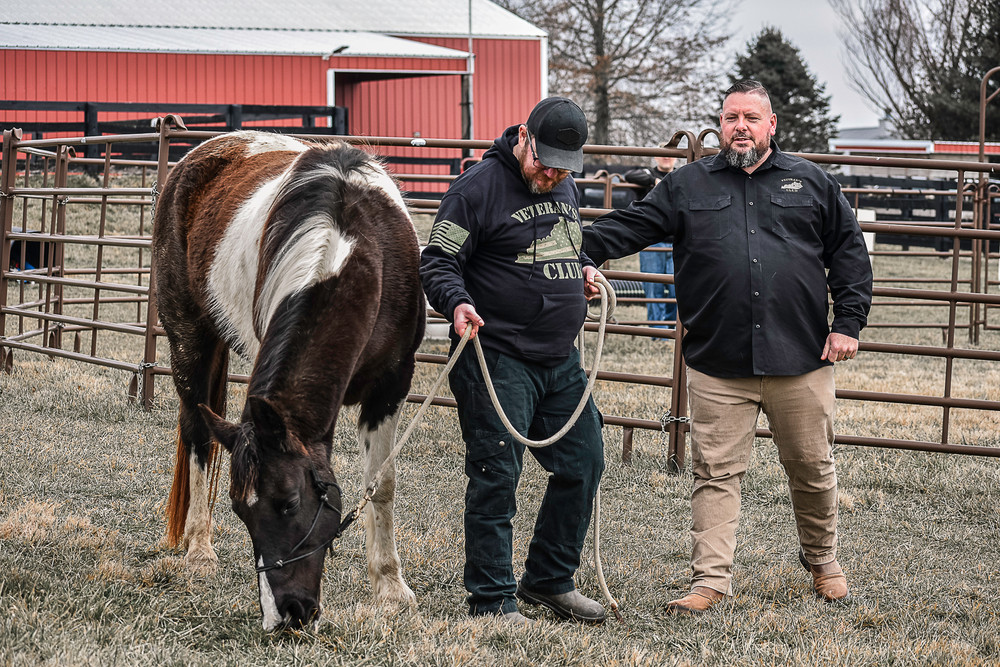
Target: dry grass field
{"x": 85, "y": 580}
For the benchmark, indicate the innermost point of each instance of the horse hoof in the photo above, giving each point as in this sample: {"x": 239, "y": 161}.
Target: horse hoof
{"x": 396, "y": 593}
{"x": 202, "y": 562}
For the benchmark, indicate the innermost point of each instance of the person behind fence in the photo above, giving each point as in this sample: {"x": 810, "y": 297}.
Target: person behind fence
{"x": 504, "y": 258}
{"x": 660, "y": 260}
{"x": 759, "y": 236}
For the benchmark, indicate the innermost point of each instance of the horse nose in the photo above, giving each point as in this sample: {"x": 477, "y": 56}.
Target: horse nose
{"x": 300, "y": 612}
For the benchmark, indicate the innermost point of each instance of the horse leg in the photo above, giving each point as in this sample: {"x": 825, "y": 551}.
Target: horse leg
{"x": 376, "y": 437}
{"x": 200, "y": 374}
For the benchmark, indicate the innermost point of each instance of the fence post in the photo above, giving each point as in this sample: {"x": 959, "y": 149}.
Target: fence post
{"x": 57, "y": 249}
{"x": 235, "y": 117}
{"x": 980, "y": 249}
{"x": 152, "y": 314}
{"x": 91, "y": 128}
{"x": 8, "y": 176}
{"x": 340, "y": 120}
{"x": 678, "y": 406}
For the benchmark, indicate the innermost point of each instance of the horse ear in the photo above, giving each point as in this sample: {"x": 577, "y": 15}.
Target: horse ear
{"x": 227, "y": 433}
{"x": 266, "y": 419}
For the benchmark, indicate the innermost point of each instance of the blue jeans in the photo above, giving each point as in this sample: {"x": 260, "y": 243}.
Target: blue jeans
{"x": 537, "y": 400}
{"x": 658, "y": 262}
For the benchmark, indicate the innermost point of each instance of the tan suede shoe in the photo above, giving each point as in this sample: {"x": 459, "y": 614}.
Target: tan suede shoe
{"x": 829, "y": 581}
{"x": 699, "y": 600}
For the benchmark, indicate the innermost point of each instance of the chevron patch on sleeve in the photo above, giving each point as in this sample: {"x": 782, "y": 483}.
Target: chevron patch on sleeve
{"x": 448, "y": 236}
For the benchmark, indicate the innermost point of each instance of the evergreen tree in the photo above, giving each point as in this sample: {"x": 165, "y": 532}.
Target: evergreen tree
{"x": 804, "y": 120}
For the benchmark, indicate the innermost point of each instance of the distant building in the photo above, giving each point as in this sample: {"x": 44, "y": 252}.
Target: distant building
{"x": 401, "y": 68}
{"x": 882, "y": 141}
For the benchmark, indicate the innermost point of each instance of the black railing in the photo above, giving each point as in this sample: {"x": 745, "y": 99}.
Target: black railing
{"x": 92, "y": 120}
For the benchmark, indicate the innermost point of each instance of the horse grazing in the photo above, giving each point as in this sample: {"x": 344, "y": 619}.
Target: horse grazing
{"x": 303, "y": 258}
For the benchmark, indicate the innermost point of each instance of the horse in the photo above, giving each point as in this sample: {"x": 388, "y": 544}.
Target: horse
{"x": 301, "y": 257}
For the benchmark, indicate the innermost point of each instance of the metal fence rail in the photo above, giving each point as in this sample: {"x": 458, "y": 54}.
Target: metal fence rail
{"x": 95, "y": 283}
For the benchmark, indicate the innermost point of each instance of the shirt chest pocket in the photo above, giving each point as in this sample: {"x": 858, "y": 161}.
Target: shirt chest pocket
{"x": 710, "y": 217}
{"x": 790, "y": 213}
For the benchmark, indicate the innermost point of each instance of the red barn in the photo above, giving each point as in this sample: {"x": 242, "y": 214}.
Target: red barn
{"x": 399, "y": 66}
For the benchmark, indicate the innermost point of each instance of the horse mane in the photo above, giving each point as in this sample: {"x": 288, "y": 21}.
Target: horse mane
{"x": 302, "y": 242}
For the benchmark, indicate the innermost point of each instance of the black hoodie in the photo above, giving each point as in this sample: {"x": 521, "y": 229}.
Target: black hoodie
{"x": 515, "y": 256}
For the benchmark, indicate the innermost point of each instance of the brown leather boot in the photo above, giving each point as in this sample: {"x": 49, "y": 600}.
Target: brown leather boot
{"x": 829, "y": 581}
{"x": 698, "y": 601}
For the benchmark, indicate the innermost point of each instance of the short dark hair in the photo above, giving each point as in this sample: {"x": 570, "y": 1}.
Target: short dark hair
{"x": 747, "y": 86}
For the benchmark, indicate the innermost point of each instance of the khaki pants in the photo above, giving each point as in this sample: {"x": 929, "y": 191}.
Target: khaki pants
{"x": 724, "y": 414}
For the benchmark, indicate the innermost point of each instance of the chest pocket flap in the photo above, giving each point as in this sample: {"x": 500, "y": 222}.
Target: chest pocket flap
{"x": 790, "y": 212}
{"x": 792, "y": 201}
{"x": 710, "y": 217}
{"x": 713, "y": 203}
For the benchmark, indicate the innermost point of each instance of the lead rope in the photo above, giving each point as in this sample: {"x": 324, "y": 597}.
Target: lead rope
{"x": 608, "y": 304}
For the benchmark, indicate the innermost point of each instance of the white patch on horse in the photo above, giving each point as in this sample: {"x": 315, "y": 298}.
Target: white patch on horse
{"x": 264, "y": 142}
{"x": 268, "y": 607}
{"x": 384, "y": 567}
{"x": 231, "y": 279}
{"x": 252, "y": 499}
{"x": 316, "y": 251}
{"x": 198, "y": 523}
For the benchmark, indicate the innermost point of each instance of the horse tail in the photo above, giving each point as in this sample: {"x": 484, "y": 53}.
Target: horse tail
{"x": 180, "y": 494}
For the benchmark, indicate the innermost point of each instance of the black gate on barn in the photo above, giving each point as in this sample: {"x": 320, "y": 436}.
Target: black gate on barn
{"x": 105, "y": 118}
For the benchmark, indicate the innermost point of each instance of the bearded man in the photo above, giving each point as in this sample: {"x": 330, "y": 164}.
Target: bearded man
{"x": 504, "y": 258}
{"x": 759, "y": 237}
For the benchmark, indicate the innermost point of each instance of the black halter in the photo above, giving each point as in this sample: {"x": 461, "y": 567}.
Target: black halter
{"x": 321, "y": 490}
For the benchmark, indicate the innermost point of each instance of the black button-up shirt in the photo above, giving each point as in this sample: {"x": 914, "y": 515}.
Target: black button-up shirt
{"x": 754, "y": 255}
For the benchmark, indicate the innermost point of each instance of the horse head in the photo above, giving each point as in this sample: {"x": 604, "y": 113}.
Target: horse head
{"x": 288, "y": 498}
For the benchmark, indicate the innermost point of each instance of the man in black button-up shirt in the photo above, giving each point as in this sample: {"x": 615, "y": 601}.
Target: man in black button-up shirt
{"x": 759, "y": 236}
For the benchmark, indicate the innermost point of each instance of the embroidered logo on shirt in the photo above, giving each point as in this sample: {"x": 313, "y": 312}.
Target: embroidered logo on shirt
{"x": 791, "y": 184}
{"x": 448, "y": 236}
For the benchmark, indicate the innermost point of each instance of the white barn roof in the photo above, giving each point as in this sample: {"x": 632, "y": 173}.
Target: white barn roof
{"x": 395, "y": 17}
{"x": 215, "y": 40}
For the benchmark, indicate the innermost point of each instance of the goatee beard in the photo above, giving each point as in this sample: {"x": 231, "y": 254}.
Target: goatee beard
{"x": 537, "y": 189}
{"x": 741, "y": 160}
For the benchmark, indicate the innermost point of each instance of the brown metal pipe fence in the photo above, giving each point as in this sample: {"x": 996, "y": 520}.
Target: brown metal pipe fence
{"x": 98, "y": 283}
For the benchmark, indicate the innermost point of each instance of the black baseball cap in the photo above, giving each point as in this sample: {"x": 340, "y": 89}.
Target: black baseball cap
{"x": 560, "y": 130}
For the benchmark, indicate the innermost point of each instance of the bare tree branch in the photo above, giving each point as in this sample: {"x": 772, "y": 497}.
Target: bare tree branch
{"x": 638, "y": 67}
{"x": 922, "y": 61}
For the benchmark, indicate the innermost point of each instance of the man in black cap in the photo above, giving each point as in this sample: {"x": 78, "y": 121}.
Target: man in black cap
{"x": 504, "y": 258}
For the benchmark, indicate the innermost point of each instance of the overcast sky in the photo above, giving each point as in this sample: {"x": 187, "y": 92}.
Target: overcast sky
{"x": 811, "y": 26}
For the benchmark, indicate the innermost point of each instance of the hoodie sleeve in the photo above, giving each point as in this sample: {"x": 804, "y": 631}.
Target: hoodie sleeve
{"x": 453, "y": 240}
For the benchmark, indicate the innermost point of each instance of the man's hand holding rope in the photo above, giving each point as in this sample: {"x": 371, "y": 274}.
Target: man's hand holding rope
{"x": 465, "y": 315}
{"x": 590, "y": 277}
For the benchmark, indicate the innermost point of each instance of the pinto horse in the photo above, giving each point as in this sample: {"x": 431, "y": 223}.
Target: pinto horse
{"x": 303, "y": 258}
